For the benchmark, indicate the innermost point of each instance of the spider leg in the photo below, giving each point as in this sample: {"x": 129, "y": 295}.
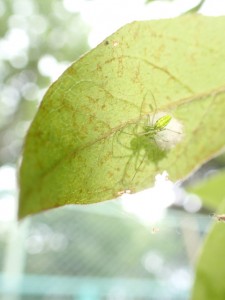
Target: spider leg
{"x": 172, "y": 130}
{"x": 121, "y": 138}
{"x": 139, "y": 166}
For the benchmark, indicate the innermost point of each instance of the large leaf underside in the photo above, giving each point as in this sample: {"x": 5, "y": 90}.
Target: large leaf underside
{"x": 79, "y": 146}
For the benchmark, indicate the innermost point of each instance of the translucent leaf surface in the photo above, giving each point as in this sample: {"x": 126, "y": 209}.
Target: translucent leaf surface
{"x": 88, "y": 141}
{"x": 210, "y": 274}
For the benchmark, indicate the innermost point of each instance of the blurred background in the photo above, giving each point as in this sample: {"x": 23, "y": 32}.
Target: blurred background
{"x": 129, "y": 248}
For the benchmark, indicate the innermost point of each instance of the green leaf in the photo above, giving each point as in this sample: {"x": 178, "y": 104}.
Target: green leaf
{"x": 210, "y": 274}
{"x": 211, "y": 190}
{"x": 89, "y": 142}
{"x": 196, "y": 8}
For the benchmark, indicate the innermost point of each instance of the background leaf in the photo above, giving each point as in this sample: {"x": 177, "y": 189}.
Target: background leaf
{"x": 211, "y": 190}
{"x": 210, "y": 273}
{"x": 80, "y": 147}
{"x": 209, "y": 283}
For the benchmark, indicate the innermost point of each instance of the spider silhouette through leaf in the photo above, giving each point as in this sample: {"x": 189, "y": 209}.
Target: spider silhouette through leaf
{"x": 143, "y": 142}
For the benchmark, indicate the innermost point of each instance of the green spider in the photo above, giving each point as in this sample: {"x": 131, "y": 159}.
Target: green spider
{"x": 152, "y": 130}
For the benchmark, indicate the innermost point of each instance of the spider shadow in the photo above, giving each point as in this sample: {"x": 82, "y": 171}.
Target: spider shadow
{"x": 141, "y": 149}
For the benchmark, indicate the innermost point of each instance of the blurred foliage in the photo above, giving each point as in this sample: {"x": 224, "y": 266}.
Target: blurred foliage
{"x": 31, "y": 31}
{"x": 211, "y": 190}
{"x": 210, "y": 272}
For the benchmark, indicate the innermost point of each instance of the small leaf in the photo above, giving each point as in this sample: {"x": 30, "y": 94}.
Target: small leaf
{"x": 80, "y": 146}
{"x": 211, "y": 190}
